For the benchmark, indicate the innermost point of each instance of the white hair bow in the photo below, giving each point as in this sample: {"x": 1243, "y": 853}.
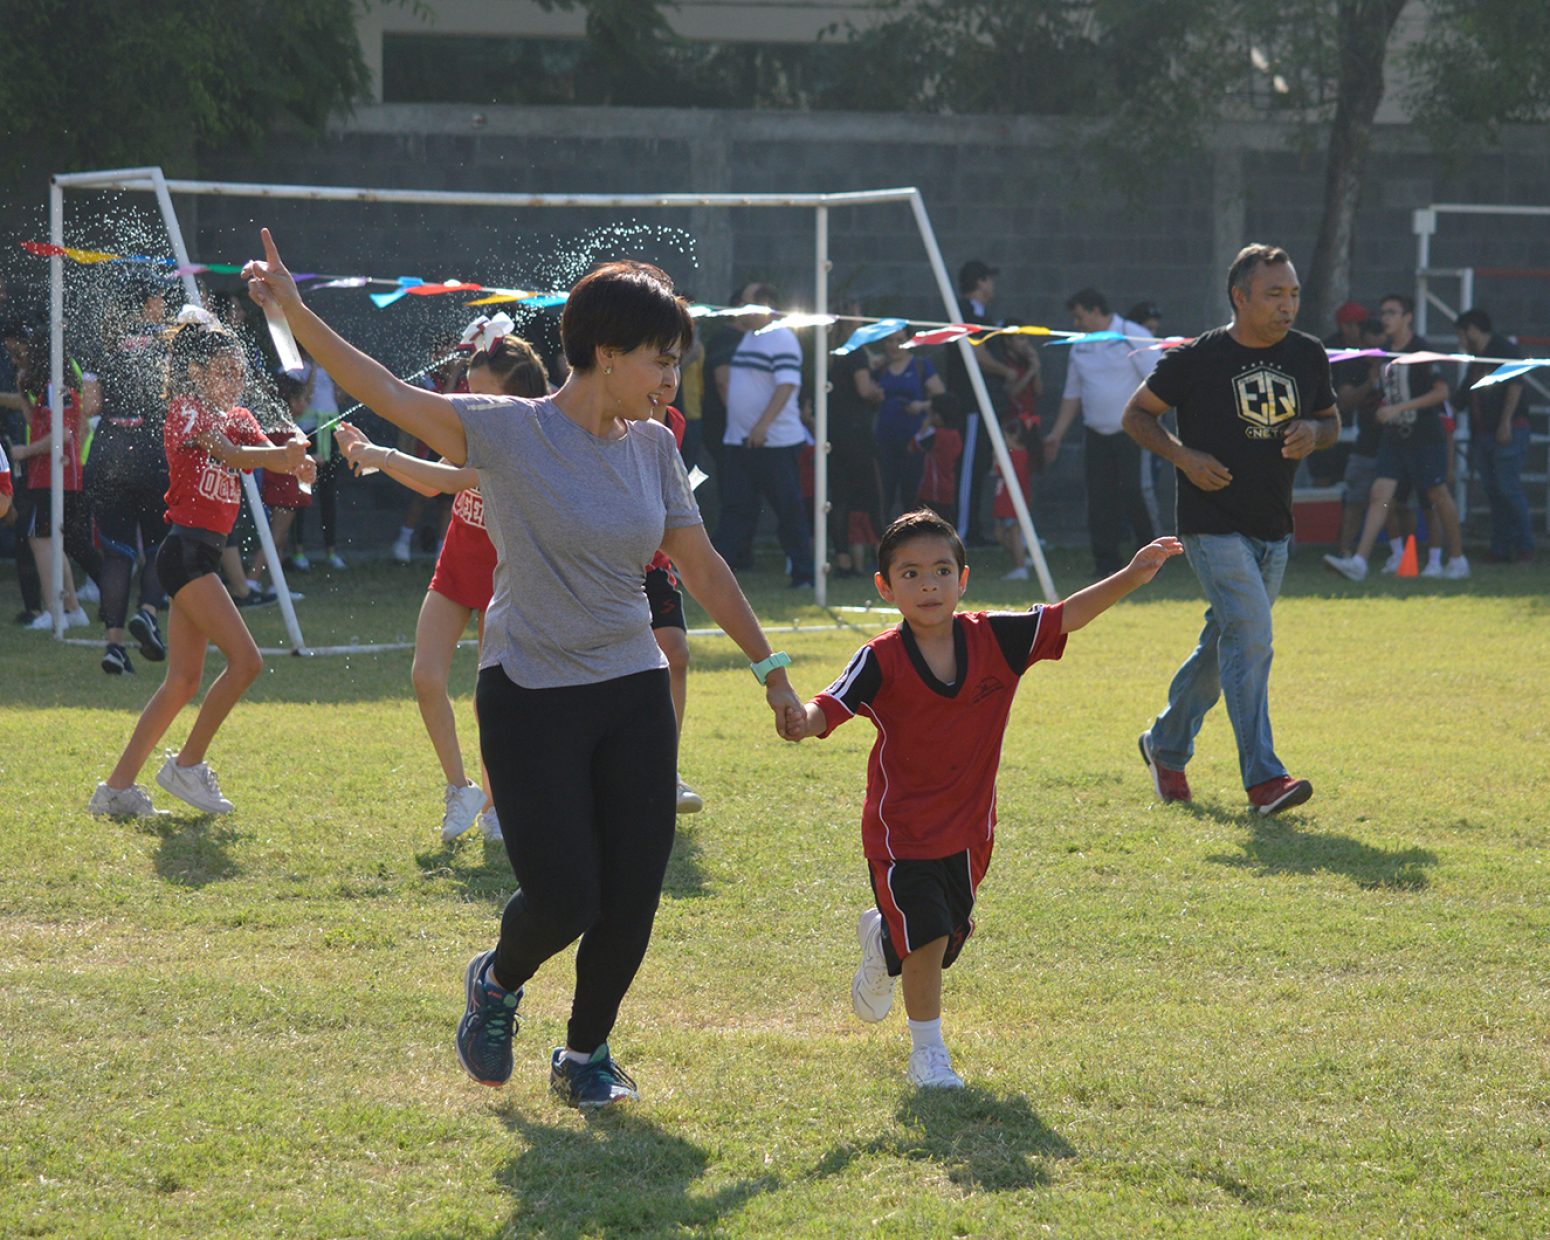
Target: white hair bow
{"x": 483, "y": 332}
{"x": 196, "y": 314}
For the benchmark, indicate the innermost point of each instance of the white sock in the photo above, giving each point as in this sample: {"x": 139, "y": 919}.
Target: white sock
{"x": 576, "y": 1056}
{"x": 1434, "y": 557}
{"x": 1359, "y": 558}
{"x": 1396, "y": 546}
{"x": 405, "y": 533}
{"x": 925, "y": 1034}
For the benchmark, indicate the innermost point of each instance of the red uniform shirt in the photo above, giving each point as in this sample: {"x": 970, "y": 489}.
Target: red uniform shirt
{"x": 939, "y": 475}
{"x": 931, "y": 779}
{"x": 465, "y": 569}
{"x": 5, "y": 475}
{"x": 40, "y": 421}
{"x": 203, "y": 493}
{"x": 677, "y": 424}
{"x": 1002, "y": 507}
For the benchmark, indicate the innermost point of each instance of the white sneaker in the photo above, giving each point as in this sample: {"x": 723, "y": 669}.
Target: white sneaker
{"x": 1351, "y": 567}
{"x": 195, "y": 784}
{"x": 1017, "y": 574}
{"x": 335, "y": 561}
{"x": 871, "y": 990}
{"x": 43, "y": 622}
{"x": 689, "y": 801}
{"x": 932, "y": 1068}
{"x": 1391, "y": 565}
{"x": 131, "y": 802}
{"x": 88, "y": 593}
{"x": 256, "y": 586}
{"x": 77, "y": 619}
{"x": 1457, "y": 570}
{"x": 401, "y": 550}
{"x": 463, "y": 806}
{"x": 490, "y": 824}
{"x": 1433, "y": 570}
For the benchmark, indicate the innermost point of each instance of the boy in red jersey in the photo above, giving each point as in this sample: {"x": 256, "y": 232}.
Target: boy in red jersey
{"x": 939, "y": 689}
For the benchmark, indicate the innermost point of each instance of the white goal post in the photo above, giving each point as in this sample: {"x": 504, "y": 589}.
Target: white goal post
{"x": 151, "y": 179}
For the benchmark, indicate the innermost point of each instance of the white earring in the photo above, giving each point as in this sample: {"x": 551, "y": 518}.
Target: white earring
{"x": 608, "y": 370}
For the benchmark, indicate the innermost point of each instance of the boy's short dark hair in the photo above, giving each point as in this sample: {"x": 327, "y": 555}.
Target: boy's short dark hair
{"x": 1476, "y": 318}
{"x": 1406, "y": 302}
{"x": 622, "y": 306}
{"x": 948, "y": 407}
{"x": 922, "y": 523}
{"x": 1088, "y": 299}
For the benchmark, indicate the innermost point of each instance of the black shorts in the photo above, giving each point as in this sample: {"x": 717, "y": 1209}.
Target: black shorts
{"x": 187, "y": 554}
{"x": 40, "y": 517}
{"x": 667, "y": 601}
{"x": 922, "y": 901}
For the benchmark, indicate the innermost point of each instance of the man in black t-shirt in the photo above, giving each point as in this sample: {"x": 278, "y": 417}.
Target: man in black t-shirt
{"x": 1253, "y": 399}
{"x": 1498, "y": 437}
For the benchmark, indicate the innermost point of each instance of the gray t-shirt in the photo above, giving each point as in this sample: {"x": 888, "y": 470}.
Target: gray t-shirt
{"x": 574, "y": 520}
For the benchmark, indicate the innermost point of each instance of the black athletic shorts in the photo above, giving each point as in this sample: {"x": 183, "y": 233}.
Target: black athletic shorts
{"x": 667, "y": 601}
{"x": 187, "y": 554}
{"x": 922, "y": 901}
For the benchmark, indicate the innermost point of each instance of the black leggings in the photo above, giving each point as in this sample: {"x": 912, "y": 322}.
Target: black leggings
{"x": 325, "y": 490}
{"x": 129, "y": 522}
{"x": 584, "y": 779}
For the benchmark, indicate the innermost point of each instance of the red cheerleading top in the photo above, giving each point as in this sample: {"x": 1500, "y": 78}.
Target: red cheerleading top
{"x": 931, "y": 777}
{"x": 204, "y": 494}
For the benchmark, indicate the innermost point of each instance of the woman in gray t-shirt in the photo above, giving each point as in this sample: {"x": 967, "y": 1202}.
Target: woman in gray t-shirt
{"x": 575, "y": 715}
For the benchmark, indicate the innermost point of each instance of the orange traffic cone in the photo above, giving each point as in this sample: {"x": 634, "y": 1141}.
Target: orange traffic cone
{"x": 1409, "y": 565}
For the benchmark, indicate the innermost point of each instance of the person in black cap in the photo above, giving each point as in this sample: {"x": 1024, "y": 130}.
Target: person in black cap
{"x": 976, "y": 290}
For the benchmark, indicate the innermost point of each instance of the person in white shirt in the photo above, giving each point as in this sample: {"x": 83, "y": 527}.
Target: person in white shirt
{"x": 1101, "y": 376}
{"x": 763, "y": 438}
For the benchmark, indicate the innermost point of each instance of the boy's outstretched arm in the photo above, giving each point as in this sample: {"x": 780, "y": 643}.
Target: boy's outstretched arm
{"x": 1085, "y": 605}
{"x": 814, "y": 723}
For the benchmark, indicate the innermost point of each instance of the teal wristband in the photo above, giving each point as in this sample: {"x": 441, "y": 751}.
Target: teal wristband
{"x": 764, "y": 667}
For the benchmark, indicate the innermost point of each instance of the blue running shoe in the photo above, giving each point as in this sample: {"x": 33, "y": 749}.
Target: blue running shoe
{"x": 590, "y": 1086}
{"x": 484, "y": 1034}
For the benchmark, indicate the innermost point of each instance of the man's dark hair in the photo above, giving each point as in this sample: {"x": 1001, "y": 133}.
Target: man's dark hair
{"x": 1477, "y": 319}
{"x": 922, "y": 523}
{"x": 622, "y": 306}
{"x": 1372, "y": 327}
{"x": 1407, "y": 304}
{"x": 1088, "y": 299}
{"x": 1250, "y": 259}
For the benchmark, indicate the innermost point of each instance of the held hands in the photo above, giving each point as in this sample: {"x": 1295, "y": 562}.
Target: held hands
{"x": 1205, "y": 471}
{"x": 1299, "y": 440}
{"x": 269, "y": 283}
{"x": 790, "y": 718}
{"x": 1153, "y": 556}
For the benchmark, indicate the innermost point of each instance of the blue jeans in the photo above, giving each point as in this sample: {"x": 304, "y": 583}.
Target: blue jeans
{"x": 1501, "y": 470}
{"x": 1241, "y": 577}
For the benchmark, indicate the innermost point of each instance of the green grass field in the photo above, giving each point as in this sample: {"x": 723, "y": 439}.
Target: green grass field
{"x": 1173, "y": 1020}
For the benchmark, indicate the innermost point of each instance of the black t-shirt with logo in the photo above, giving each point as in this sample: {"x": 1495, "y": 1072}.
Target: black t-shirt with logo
{"x": 1407, "y": 382}
{"x": 1235, "y": 403}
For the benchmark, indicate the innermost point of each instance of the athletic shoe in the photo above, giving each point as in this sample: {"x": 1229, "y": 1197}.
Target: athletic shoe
{"x": 131, "y": 802}
{"x": 195, "y": 784}
{"x": 931, "y": 1067}
{"x": 1457, "y": 569}
{"x": 491, "y": 1019}
{"x": 593, "y": 1085}
{"x": 256, "y": 598}
{"x": 143, "y": 628}
{"x": 1171, "y": 785}
{"x": 871, "y": 989}
{"x": 43, "y": 622}
{"x": 1282, "y": 792}
{"x": 1351, "y": 567}
{"x": 463, "y": 806}
{"x": 1391, "y": 565}
{"x": 689, "y": 801}
{"x": 299, "y": 563}
{"x": 254, "y": 584}
{"x": 1432, "y": 569}
{"x": 89, "y": 592}
{"x": 335, "y": 561}
{"x": 401, "y": 550}
{"x": 115, "y": 661}
{"x": 77, "y": 619}
{"x": 1017, "y": 574}
{"x": 490, "y": 824}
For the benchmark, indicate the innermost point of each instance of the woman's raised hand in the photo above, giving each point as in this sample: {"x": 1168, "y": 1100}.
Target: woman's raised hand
{"x": 269, "y": 282}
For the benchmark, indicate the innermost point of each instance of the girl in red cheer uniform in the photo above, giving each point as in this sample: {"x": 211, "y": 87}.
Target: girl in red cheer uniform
{"x": 208, "y": 441}
{"x": 463, "y": 582}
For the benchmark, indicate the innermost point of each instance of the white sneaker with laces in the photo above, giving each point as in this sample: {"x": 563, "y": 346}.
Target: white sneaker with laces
{"x": 1432, "y": 570}
{"x": 462, "y": 807}
{"x": 490, "y": 824}
{"x": 1391, "y": 565}
{"x": 131, "y": 802}
{"x": 77, "y": 619}
{"x": 871, "y": 990}
{"x": 689, "y": 801}
{"x": 43, "y": 622}
{"x": 1017, "y": 574}
{"x": 931, "y": 1067}
{"x": 1457, "y": 569}
{"x": 195, "y": 784}
{"x": 1351, "y": 567}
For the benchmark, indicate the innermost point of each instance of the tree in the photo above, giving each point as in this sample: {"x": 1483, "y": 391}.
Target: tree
{"x": 105, "y": 83}
{"x": 1150, "y": 75}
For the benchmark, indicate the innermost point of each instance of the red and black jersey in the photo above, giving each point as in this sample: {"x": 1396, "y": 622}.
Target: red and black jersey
{"x": 931, "y": 778}
{"x": 203, "y": 493}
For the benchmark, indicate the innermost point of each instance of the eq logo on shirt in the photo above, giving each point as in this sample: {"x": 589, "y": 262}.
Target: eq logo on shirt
{"x": 1266, "y": 399}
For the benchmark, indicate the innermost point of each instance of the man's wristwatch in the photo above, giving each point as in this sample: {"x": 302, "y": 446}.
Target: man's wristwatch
{"x": 762, "y": 669}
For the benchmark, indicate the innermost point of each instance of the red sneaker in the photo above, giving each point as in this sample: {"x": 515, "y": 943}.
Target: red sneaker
{"x": 1170, "y": 784}
{"x": 1282, "y": 792}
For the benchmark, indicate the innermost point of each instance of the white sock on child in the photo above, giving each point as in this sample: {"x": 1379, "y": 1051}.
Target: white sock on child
{"x": 1434, "y": 557}
{"x": 925, "y": 1033}
{"x": 1397, "y": 546}
{"x": 576, "y": 1056}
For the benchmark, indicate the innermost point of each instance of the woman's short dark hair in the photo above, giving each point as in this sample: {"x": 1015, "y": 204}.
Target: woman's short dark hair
{"x": 622, "y": 306}
{"x": 922, "y": 523}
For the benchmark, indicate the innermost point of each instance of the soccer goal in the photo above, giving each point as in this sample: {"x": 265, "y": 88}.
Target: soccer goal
{"x": 152, "y": 180}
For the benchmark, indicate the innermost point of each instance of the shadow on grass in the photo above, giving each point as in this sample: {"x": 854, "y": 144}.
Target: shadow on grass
{"x": 1280, "y": 848}
{"x": 191, "y": 851}
{"x": 982, "y": 1140}
{"x": 619, "y": 1175}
